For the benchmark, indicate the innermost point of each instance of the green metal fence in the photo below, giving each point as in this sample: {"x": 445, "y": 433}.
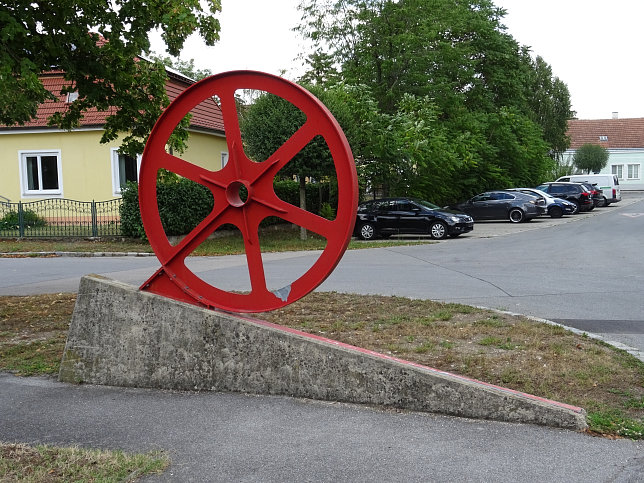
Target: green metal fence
{"x": 60, "y": 218}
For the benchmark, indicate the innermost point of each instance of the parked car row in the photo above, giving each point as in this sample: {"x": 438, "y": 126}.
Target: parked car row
{"x": 389, "y": 216}
{"x": 607, "y": 183}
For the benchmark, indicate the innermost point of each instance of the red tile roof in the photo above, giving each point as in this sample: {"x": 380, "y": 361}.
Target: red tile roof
{"x": 207, "y": 115}
{"x": 609, "y": 133}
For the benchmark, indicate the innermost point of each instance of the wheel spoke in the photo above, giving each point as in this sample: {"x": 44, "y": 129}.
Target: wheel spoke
{"x": 202, "y": 231}
{"x": 184, "y": 168}
{"x": 231, "y": 124}
{"x": 253, "y": 254}
{"x": 303, "y": 218}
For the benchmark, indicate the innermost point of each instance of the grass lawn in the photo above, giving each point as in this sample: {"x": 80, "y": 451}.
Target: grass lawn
{"x": 272, "y": 240}
{"x": 19, "y": 462}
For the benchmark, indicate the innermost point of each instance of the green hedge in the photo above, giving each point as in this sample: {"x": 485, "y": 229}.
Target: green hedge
{"x": 183, "y": 204}
{"x": 10, "y": 221}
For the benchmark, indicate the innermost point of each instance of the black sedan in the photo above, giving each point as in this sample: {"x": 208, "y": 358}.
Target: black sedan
{"x": 503, "y": 205}
{"x": 391, "y": 216}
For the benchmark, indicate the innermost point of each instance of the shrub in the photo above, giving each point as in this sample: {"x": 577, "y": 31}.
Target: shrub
{"x": 183, "y": 204}
{"x": 131, "y": 224}
{"x": 327, "y": 211}
{"x": 31, "y": 219}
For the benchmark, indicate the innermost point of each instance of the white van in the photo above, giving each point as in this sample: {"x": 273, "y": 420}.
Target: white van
{"x": 608, "y": 183}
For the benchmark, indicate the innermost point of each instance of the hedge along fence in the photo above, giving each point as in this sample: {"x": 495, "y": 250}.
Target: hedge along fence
{"x": 183, "y": 204}
{"x": 60, "y": 217}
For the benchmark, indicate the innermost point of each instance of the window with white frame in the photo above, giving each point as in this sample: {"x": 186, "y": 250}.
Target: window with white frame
{"x": 618, "y": 170}
{"x": 40, "y": 173}
{"x": 633, "y": 171}
{"x": 124, "y": 168}
{"x": 224, "y": 159}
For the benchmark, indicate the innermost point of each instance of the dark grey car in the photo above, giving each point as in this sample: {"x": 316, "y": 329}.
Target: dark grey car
{"x": 503, "y": 205}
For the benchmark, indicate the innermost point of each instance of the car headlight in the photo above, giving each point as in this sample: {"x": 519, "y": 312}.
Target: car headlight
{"x": 454, "y": 219}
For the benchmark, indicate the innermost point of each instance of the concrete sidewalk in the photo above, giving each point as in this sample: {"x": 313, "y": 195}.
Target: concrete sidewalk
{"x": 233, "y": 437}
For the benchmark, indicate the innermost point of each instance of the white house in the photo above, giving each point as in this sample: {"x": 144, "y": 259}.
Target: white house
{"x": 624, "y": 140}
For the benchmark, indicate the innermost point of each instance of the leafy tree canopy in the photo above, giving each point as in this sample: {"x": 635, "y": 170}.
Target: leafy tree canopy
{"x": 96, "y": 45}
{"x": 590, "y": 157}
{"x": 185, "y": 67}
{"x": 448, "y": 70}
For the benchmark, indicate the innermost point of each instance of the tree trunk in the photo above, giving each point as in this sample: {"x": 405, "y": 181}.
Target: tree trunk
{"x": 302, "y": 180}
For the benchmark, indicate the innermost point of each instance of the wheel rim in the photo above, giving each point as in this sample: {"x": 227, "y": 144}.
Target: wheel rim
{"x": 438, "y": 230}
{"x": 516, "y": 216}
{"x": 367, "y": 232}
{"x": 174, "y": 279}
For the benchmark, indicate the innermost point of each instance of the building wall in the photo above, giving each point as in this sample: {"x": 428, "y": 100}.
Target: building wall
{"x": 86, "y": 165}
{"x": 624, "y": 158}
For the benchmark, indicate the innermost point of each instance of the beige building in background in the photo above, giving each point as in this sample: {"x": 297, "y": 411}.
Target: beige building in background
{"x": 40, "y": 162}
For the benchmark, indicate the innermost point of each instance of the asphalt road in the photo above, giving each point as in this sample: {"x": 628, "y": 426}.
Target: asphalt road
{"x": 584, "y": 270}
{"x": 217, "y": 437}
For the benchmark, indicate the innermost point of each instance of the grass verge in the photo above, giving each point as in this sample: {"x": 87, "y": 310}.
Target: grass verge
{"x": 510, "y": 351}
{"x": 272, "y": 240}
{"x": 19, "y": 462}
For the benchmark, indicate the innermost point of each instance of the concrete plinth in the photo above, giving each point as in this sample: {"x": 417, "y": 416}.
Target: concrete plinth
{"x": 121, "y": 336}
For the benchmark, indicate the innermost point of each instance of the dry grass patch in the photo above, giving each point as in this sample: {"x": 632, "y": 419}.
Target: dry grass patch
{"x": 19, "y": 462}
{"x": 73, "y": 245}
{"x": 511, "y": 351}
{"x": 278, "y": 239}
{"x": 33, "y": 330}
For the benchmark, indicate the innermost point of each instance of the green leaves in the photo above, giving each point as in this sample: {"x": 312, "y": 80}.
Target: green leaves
{"x": 590, "y": 157}
{"x": 97, "y": 45}
{"x": 459, "y": 108}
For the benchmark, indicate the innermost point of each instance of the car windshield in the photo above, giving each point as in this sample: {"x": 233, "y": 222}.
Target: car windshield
{"x": 427, "y": 204}
{"x": 538, "y": 192}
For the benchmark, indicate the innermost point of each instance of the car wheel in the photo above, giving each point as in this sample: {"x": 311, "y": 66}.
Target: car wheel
{"x": 576, "y": 210}
{"x": 556, "y": 212}
{"x": 601, "y": 203}
{"x": 516, "y": 215}
{"x": 438, "y": 230}
{"x": 367, "y": 231}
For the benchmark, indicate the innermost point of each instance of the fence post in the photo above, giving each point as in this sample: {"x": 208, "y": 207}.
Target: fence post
{"x": 21, "y": 221}
{"x": 94, "y": 220}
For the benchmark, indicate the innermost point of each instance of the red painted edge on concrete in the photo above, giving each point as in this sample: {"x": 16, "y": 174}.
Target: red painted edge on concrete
{"x": 404, "y": 362}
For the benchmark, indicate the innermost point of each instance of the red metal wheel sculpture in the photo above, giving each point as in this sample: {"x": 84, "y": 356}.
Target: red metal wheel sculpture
{"x": 174, "y": 279}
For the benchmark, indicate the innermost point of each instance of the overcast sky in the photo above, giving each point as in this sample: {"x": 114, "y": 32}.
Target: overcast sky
{"x": 594, "y": 46}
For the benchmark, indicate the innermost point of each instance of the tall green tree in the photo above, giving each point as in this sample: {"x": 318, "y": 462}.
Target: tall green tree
{"x": 548, "y": 101}
{"x": 476, "y": 80}
{"x": 590, "y": 157}
{"x": 96, "y": 45}
{"x": 458, "y": 58}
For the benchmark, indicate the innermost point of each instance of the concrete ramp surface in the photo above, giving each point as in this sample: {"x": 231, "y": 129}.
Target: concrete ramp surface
{"x": 120, "y": 336}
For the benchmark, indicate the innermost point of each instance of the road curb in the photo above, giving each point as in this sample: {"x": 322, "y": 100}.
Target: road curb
{"x": 74, "y": 254}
